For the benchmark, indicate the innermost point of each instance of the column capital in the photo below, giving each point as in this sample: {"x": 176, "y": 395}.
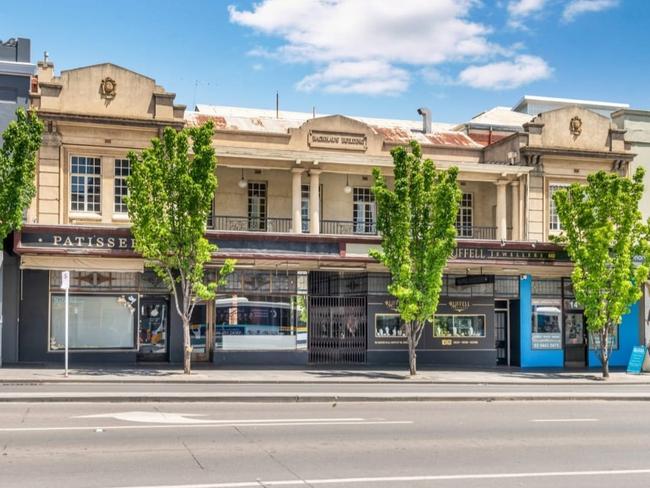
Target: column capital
{"x": 315, "y": 172}
{"x": 515, "y": 183}
{"x": 501, "y": 182}
{"x": 297, "y": 170}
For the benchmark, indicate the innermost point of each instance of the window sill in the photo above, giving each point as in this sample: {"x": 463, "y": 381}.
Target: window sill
{"x": 121, "y": 217}
{"x": 84, "y": 216}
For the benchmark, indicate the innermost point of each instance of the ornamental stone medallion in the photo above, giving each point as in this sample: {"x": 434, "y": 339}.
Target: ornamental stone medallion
{"x": 575, "y": 126}
{"x": 108, "y": 88}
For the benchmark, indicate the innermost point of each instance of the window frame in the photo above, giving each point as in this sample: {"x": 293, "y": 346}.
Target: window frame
{"x": 121, "y": 186}
{"x": 368, "y": 206}
{"x": 552, "y": 222}
{"x": 96, "y": 208}
{"x": 463, "y": 229}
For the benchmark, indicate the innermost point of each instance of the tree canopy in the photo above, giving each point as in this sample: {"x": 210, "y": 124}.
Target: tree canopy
{"x": 21, "y": 141}
{"x": 171, "y": 188}
{"x": 417, "y": 223}
{"x": 607, "y": 240}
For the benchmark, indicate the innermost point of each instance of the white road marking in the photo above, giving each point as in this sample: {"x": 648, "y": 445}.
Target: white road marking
{"x": 182, "y": 418}
{"x": 203, "y": 425}
{"x": 564, "y": 420}
{"x": 395, "y": 479}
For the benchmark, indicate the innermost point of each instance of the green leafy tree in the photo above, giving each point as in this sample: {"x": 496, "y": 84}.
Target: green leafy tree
{"x": 20, "y": 143}
{"x": 169, "y": 202}
{"x": 603, "y": 233}
{"x": 417, "y": 223}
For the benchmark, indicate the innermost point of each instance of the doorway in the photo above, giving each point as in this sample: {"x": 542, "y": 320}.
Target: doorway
{"x": 201, "y": 332}
{"x": 153, "y": 329}
{"x": 575, "y": 339}
{"x": 502, "y": 332}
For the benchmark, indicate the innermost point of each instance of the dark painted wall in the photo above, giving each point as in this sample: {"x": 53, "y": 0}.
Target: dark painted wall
{"x": 10, "y": 275}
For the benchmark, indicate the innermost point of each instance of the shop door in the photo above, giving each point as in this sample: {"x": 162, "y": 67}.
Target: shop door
{"x": 337, "y": 330}
{"x": 153, "y": 329}
{"x": 575, "y": 340}
{"x": 201, "y": 336}
{"x": 501, "y": 336}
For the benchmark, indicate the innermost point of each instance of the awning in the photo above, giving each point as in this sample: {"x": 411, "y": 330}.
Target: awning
{"x": 82, "y": 263}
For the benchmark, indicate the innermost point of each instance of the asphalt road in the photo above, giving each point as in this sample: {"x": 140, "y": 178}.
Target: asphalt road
{"x": 448, "y": 445}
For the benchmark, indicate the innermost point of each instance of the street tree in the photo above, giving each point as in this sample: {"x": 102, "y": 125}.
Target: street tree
{"x": 607, "y": 240}
{"x": 417, "y": 224}
{"x": 20, "y": 143}
{"x": 171, "y": 188}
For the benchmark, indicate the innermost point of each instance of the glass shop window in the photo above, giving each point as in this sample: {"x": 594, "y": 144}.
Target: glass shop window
{"x": 547, "y": 325}
{"x": 95, "y": 321}
{"x": 261, "y": 322}
{"x": 388, "y": 325}
{"x": 459, "y": 326}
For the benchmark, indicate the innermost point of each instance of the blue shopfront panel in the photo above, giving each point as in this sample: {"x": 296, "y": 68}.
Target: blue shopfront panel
{"x": 533, "y": 358}
{"x": 628, "y": 333}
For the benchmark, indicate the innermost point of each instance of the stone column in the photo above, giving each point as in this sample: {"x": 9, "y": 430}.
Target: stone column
{"x": 314, "y": 201}
{"x": 296, "y": 200}
{"x": 501, "y": 220}
{"x": 516, "y": 229}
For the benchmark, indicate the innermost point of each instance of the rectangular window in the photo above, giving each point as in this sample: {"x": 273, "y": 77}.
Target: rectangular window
{"x": 547, "y": 325}
{"x": 554, "y": 218}
{"x": 364, "y": 211}
{"x": 85, "y": 184}
{"x": 256, "y": 205}
{"x": 95, "y": 321}
{"x": 261, "y": 322}
{"x": 122, "y": 171}
{"x": 388, "y": 325}
{"x": 459, "y": 326}
{"x": 464, "y": 219}
{"x": 304, "y": 207}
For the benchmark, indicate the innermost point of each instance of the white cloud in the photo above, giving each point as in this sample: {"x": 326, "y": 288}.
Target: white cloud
{"x": 367, "y": 77}
{"x": 506, "y": 75}
{"x": 520, "y": 10}
{"x": 578, "y": 7}
{"x": 370, "y": 46}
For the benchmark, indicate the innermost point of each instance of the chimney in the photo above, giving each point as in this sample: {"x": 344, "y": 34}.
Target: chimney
{"x": 426, "y": 119}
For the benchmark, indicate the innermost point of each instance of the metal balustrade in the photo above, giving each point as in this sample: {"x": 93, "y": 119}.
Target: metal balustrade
{"x": 328, "y": 227}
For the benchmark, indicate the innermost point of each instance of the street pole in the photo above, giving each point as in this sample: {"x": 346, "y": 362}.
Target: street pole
{"x": 65, "y": 284}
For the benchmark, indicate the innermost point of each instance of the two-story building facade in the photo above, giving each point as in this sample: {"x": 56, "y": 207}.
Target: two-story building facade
{"x": 295, "y": 208}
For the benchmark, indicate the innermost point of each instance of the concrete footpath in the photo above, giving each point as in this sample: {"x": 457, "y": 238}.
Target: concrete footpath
{"x": 244, "y": 375}
{"x": 315, "y": 385}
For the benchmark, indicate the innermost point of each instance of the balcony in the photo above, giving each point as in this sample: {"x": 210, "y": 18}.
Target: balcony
{"x": 327, "y": 227}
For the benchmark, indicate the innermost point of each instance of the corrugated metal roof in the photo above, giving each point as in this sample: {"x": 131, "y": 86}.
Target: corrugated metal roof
{"x": 501, "y": 116}
{"x": 260, "y": 120}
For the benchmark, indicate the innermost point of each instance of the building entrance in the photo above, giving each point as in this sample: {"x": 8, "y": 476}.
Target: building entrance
{"x": 153, "y": 329}
{"x": 502, "y": 332}
{"x": 575, "y": 339}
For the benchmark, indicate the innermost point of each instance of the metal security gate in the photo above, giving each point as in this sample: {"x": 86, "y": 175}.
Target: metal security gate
{"x": 337, "y": 330}
{"x": 502, "y": 332}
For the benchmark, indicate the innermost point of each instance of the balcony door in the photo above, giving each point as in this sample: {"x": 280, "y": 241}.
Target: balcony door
{"x": 257, "y": 205}
{"x": 364, "y": 211}
{"x": 465, "y": 217}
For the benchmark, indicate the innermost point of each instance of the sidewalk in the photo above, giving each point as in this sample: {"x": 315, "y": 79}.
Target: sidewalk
{"x": 249, "y": 375}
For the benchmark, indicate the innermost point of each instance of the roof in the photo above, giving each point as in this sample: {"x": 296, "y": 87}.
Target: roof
{"x": 501, "y": 117}
{"x": 261, "y": 120}
{"x": 593, "y": 104}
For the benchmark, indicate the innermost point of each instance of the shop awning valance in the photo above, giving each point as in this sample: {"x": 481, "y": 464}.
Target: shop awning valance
{"x": 82, "y": 263}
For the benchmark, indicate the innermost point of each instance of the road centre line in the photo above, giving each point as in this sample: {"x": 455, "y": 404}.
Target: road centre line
{"x": 106, "y": 428}
{"x": 564, "y": 420}
{"x": 394, "y": 479}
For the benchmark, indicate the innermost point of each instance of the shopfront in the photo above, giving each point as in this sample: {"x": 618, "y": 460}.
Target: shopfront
{"x": 554, "y": 328}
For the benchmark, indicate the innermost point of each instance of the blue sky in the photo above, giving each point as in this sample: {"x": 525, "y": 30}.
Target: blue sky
{"x": 380, "y": 58}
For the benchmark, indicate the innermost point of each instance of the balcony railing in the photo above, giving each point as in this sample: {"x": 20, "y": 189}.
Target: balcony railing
{"x": 250, "y": 224}
{"x": 332, "y": 227}
{"x": 474, "y": 232}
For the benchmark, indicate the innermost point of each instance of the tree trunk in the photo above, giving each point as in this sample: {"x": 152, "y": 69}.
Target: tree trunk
{"x": 604, "y": 353}
{"x": 187, "y": 347}
{"x": 410, "y": 333}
